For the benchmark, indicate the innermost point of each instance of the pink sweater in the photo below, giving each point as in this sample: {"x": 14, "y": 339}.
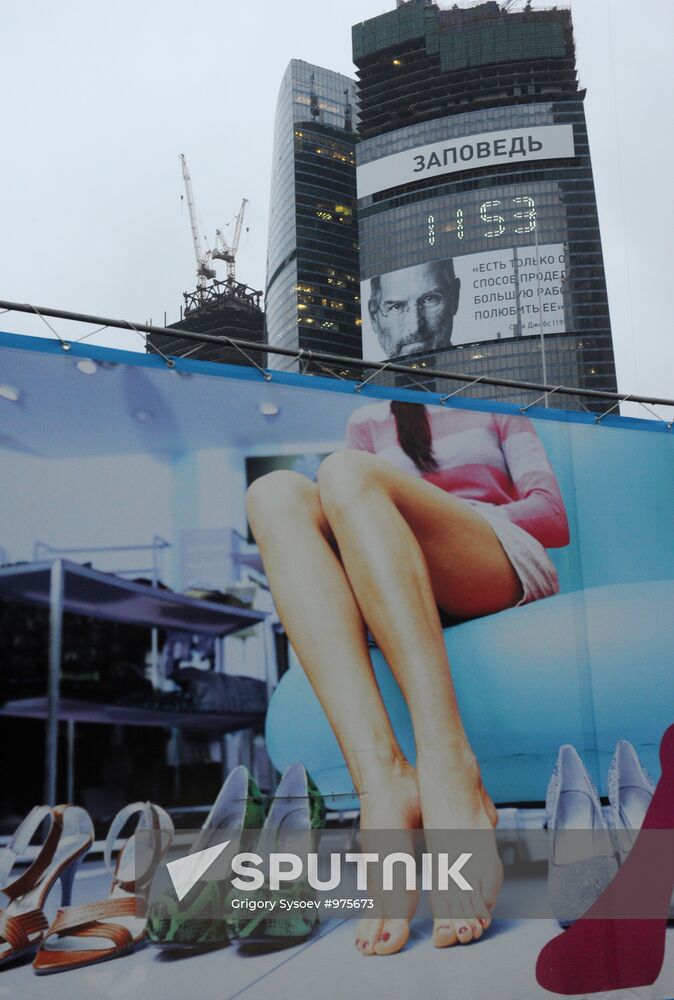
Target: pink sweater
{"x": 484, "y": 458}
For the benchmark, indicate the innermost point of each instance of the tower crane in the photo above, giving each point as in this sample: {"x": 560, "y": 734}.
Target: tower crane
{"x": 204, "y": 272}
{"x": 228, "y": 253}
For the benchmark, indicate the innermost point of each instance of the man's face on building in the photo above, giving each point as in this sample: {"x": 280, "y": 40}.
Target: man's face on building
{"x": 415, "y": 311}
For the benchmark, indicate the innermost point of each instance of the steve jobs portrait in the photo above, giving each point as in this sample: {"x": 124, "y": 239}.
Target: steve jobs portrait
{"x": 413, "y": 310}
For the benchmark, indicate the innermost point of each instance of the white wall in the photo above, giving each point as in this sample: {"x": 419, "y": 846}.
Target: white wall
{"x": 77, "y": 502}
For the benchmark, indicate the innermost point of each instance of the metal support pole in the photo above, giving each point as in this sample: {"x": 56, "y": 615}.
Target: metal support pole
{"x": 224, "y": 760}
{"x": 271, "y": 677}
{"x": 540, "y": 315}
{"x": 56, "y": 586}
{"x": 269, "y": 657}
{"x": 70, "y": 787}
{"x": 340, "y": 360}
{"x": 219, "y": 651}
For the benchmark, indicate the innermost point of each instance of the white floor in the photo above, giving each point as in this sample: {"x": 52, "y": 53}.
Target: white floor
{"x": 325, "y": 968}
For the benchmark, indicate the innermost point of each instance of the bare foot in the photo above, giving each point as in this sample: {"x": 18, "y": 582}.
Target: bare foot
{"x": 389, "y": 805}
{"x": 461, "y": 803}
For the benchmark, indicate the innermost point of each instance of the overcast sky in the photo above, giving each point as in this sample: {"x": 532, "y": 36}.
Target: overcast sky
{"x": 99, "y": 100}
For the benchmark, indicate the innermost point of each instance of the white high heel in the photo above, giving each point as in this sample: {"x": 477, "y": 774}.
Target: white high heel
{"x": 581, "y": 864}
{"x": 630, "y": 791}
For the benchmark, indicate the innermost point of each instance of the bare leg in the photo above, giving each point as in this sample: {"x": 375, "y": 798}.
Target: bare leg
{"x": 325, "y": 627}
{"x": 406, "y": 545}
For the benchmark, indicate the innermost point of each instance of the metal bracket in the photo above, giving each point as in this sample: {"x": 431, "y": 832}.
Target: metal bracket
{"x": 92, "y": 333}
{"x": 170, "y": 363}
{"x": 668, "y": 423}
{"x": 443, "y": 399}
{"x": 64, "y": 343}
{"x": 304, "y": 358}
{"x": 265, "y": 374}
{"x": 523, "y": 409}
{"x": 600, "y": 417}
{"x": 420, "y": 384}
{"x": 359, "y": 385}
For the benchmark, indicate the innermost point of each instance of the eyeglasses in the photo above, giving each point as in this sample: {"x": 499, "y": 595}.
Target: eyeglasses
{"x": 428, "y": 305}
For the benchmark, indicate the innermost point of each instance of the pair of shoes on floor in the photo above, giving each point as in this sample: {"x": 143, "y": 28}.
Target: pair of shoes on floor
{"x": 584, "y": 849}
{"x": 89, "y": 933}
{"x": 204, "y": 919}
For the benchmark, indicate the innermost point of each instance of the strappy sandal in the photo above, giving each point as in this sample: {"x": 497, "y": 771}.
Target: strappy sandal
{"x": 198, "y": 921}
{"x": 95, "y": 932}
{"x": 297, "y": 806}
{"x": 69, "y": 837}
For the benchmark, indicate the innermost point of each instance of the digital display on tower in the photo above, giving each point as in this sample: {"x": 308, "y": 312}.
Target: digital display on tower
{"x": 483, "y": 265}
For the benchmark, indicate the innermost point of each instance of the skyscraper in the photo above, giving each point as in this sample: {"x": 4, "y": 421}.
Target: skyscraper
{"x": 477, "y": 213}
{"x": 312, "y": 290}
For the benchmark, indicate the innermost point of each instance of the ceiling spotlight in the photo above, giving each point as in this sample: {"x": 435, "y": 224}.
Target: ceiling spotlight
{"x": 143, "y": 416}
{"x": 87, "y": 366}
{"x": 268, "y": 409}
{"x": 10, "y": 393}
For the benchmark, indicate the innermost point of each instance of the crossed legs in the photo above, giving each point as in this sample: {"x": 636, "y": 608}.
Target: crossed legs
{"x": 373, "y": 547}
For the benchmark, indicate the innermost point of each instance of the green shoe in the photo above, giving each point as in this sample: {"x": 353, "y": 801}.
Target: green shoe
{"x": 198, "y": 921}
{"x": 298, "y": 806}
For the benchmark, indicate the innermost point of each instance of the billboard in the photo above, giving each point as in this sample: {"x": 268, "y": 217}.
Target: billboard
{"x": 488, "y": 149}
{"x": 447, "y": 302}
{"x": 463, "y": 593}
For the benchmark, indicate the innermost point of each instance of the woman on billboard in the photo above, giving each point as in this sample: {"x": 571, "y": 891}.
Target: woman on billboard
{"x": 429, "y": 515}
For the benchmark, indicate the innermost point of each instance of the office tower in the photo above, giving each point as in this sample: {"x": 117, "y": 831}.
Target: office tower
{"x": 477, "y": 213}
{"x": 311, "y": 297}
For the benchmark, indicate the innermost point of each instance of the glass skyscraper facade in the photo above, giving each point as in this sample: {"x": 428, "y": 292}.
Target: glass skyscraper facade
{"x": 478, "y": 222}
{"x": 312, "y": 288}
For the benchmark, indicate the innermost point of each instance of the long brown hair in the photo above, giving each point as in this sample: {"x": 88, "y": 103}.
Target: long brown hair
{"x": 414, "y": 434}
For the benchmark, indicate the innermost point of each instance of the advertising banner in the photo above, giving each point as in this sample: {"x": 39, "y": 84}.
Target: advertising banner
{"x": 450, "y": 625}
{"x": 465, "y": 299}
{"x": 546, "y": 142}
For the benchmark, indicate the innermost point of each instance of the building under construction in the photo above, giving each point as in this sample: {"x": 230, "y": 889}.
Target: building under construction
{"x": 226, "y": 309}
{"x": 223, "y": 309}
{"x": 475, "y": 176}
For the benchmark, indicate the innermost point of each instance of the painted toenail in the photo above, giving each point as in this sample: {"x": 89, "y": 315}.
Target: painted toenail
{"x": 463, "y": 930}
{"x": 385, "y": 936}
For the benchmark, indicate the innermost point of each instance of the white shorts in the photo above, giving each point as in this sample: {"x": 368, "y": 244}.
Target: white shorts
{"x": 529, "y": 559}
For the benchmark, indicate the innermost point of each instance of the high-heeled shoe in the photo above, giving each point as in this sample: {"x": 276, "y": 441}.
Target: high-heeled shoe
{"x": 70, "y": 835}
{"x": 619, "y": 943}
{"x": 580, "y": 865}
{"x": 198, "y": 921}
{"x": 630, "y": 791}
{"x": 297, "y": 807}
{"x": 15, "y": 850}
{"x": 95, "y": 932}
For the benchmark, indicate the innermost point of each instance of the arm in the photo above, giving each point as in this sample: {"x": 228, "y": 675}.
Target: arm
{"x": 539, "y": 508}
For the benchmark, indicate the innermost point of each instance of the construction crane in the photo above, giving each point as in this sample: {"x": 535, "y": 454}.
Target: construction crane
{"x": 228, "y": 253}
{"x": 204, "y": 272}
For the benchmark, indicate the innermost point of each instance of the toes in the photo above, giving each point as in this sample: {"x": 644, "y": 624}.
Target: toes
{"x": 393, "y": 937}
{"x": 468, "y": 929}
{"x": 367, "y": 936}
{"x": 477, "y": 929}
{"x": 444, "y": 935}
{"x": 463, "y": 931}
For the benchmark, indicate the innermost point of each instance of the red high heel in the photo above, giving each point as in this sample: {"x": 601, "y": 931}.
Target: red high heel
{"x": 605, "y": 951}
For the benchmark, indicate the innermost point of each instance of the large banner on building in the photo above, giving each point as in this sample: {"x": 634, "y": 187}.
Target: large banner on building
{"x": 445, "y": 303}
{"x": 546, "y": 142}
{"x": 443, "y": 613}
